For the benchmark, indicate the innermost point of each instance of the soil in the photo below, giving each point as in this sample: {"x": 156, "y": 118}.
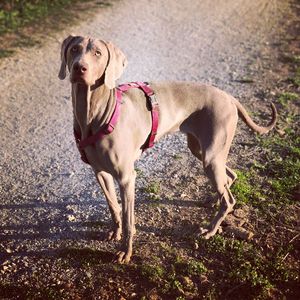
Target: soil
{"x": 53, "y": 215}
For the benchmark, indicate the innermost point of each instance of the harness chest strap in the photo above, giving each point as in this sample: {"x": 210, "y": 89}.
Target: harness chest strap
{"x": 77, "y": 136}
{"x": 109, "y": 127}
{"x": 153, "y": 106}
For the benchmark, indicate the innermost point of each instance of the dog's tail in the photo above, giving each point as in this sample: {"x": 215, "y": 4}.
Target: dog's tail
{"x": 249, "y": 122}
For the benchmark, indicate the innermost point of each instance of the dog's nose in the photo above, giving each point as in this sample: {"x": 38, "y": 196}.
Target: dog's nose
{"x": 80, "y": 67}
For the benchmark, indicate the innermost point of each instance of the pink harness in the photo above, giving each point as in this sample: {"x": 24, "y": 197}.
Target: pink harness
{"x": 110, "y": 126}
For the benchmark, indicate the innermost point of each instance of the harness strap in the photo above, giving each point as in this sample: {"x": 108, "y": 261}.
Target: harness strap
{"x": 154, "y": 114}
{"x": 110, "y": 126}
{"x": 153, "y": 106}
{"x": 107, "y": 128}
{"x": 77, "y": 137}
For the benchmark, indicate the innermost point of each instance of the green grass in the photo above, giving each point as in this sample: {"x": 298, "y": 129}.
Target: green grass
{"x": 290, "y": 58}
{"x": 296, "y": 78}
{"x": 139, "y": 172}
{"x": 246, "y": 264}
{"x": 282, "y": 165}
{"x": 191, "y": 267}
{"x": 176, "y": 278}
{"x": 5, "y": 53}
{"x": 277, "y": 173}
{"x": 268, "y": 187}
{"x": 153, "y": 272}
{"x": 228, "y": 263}
{"x": 18, "y": 13}
{"x": 286, "y": 97}
{"x": 244, "y": 190}
{"x": 177, "y": 156}
{"x": 153, "y": 190}
{"x": 181, "y": 277}
{"x": 25, "y": 23}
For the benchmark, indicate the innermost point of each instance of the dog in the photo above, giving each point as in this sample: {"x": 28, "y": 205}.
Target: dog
{"x": 207, "y": 115}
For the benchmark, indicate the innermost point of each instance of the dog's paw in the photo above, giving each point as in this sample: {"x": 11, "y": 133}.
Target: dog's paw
{"x": 123, "y": 257}
{"x": 207, "y": 234}
{"x": 114, "y": 235}
{"x": 203, "y": 232}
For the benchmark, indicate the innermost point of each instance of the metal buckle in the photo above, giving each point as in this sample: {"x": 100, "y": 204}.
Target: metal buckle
{"x": 153, "y": 100}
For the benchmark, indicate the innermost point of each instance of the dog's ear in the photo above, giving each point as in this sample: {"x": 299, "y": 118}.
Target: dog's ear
{"x": 63, "y": 55}
{"x": 116, "y": 65}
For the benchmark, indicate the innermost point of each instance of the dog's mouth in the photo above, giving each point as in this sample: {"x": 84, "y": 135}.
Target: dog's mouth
{"x": 79, "y": 78}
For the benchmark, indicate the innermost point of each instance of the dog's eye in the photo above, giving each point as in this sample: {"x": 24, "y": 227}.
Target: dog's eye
{"x": 74, "y": 49}
{"x": 97, "y": 53}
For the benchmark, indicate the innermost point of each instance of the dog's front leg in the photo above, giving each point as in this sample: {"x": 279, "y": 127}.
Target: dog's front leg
{"x": 127, "y": 190}
{"x": 107, "y": 184}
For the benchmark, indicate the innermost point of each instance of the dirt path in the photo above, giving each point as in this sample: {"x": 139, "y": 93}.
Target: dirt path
{"x": 209, "y": 41}
{"x": 48, "y": 198}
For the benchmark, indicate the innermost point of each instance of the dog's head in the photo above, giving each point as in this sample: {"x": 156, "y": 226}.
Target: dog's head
{"x": 88, "y": 60}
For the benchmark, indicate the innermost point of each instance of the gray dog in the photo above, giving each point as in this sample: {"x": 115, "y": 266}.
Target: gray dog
{"x": 207, "y": 115}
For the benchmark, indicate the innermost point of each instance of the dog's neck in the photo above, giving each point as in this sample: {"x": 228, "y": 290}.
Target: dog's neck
{"x": 92, "y": 107}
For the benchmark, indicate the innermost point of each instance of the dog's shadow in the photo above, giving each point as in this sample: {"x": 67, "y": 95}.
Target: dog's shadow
{"x": 85, "y": 256}
{"x": 71, "y": 226}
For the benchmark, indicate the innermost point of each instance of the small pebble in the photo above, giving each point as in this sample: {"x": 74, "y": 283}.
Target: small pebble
{"x": 239, "y": 213}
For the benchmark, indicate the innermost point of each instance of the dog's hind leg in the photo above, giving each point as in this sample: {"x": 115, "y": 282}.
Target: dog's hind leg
{"x": 231, "y": 176}
{"x": 107, "y": 184}
{"x": 195, "y": 148}
{"x": 216, "y": 171}
{"x": 215, "y": 148}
